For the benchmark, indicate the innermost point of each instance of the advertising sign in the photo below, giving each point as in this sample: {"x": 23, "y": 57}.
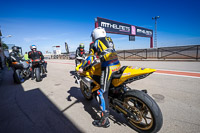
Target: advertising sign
{"x": 121, "y": 28}
{"x": 143, "y": 32}
{"x": 114, "y": 27}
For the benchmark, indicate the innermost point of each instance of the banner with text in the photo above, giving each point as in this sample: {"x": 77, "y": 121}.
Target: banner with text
{"x": 121, "y": 28}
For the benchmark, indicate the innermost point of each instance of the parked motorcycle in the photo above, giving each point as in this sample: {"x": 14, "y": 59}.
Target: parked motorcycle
{"x": 39, "y": 69}
{"x": 140, "y": 110}
{"x": 22, "y": 71}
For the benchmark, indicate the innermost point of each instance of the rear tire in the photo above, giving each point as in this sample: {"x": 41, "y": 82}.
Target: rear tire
{"x": 147, "y": 111}
{"x": 86, "y": 91}
{"x": 37, "y": 74}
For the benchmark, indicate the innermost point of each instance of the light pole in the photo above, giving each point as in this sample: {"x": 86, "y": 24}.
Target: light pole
{"x": 155, "y": 34}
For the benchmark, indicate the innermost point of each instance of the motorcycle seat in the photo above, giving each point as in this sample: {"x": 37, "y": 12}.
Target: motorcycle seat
{"x": 118, "y": 74}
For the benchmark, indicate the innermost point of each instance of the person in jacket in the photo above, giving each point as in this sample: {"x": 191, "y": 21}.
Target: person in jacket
{"x": 103, "y": 47}
{"x": 35, "y": 56}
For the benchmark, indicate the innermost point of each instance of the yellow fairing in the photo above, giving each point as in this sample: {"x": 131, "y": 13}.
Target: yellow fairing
{"x": 94, "y": 70}
{"x": 130, "y": 72}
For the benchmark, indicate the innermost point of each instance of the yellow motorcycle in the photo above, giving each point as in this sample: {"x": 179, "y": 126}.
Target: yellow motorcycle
{"x": 140, "y": 110}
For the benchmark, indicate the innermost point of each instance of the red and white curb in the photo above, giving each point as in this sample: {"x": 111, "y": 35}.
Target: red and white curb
{"x": 179, "y": 73}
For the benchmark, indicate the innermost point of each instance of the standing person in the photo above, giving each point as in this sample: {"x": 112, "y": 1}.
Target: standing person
{"x": 26, "y": 56}
{"x": 104, "y": 48}
{"x": 34, "y": 55}
{"x": 80, "y": 52}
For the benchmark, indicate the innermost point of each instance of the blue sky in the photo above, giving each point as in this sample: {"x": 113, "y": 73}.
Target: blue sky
{"x": 53, "y": 22}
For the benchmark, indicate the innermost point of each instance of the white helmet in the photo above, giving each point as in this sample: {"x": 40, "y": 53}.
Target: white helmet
{"x": 32, "y": 47}
{"x": 98, "y": 33}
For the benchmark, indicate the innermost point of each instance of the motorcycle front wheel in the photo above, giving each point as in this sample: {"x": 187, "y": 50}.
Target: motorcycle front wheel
{"x": 86, "y": 91}
{"x": 37, "y": 74}
{"x": 17, "y": 77}
{"x": 147, "y": 116}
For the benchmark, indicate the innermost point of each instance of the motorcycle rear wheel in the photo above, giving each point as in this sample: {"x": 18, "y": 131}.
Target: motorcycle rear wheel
{"x": 86, "y": 91}
{"x": 148, "y": 115}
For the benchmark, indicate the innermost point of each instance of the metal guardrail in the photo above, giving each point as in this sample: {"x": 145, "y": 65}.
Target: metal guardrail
{"x": 190, "y": 52}
{"x": 181, "y": 52}
{"x": 129, "y": 54}
{"x": 63, "y": 56}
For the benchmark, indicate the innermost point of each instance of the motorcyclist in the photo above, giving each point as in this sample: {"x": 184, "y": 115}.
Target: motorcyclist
{"x": 104, "y": 48}
{"x": 34, "y": 56}
{"x": 80, "y": 52}
{"x": 14, "y": 56}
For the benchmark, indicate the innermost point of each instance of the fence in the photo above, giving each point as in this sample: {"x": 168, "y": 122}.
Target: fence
{"x": 63, "y": 56}
{"x": 190, "y": 52}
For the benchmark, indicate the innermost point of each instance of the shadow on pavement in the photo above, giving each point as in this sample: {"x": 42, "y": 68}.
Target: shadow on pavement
{"x": 29, "y": 111}
{"x": 76, "y": 93}
{"x": 92, "y": 106}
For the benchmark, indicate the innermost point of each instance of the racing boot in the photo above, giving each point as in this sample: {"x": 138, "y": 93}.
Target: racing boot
{"x": 103, "y": 122}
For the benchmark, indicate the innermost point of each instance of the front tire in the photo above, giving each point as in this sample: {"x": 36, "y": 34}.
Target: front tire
{"x": 86, "y": 91}
{"x": 37, "y": 74}
{"x": 17, "y": 77}
{"x": 148, "y": 115}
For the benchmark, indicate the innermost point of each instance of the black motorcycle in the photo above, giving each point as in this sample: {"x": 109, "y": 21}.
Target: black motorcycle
{"x": 22, "y": 71}
{"x": 39, "y": 69}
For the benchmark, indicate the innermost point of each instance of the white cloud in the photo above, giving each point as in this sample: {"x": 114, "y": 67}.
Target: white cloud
{"x": 28, "y": 40}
